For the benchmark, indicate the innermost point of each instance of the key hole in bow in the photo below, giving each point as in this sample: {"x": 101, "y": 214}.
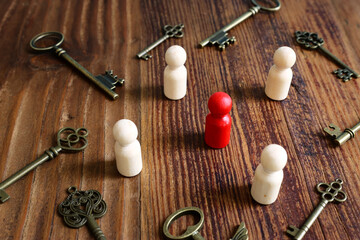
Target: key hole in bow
{"x": 72, "y": 139}
{"x": 47, "y": 41}
{"x": 179, "y": 226}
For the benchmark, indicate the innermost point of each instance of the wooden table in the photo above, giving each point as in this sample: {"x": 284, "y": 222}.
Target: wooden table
{"x": 40, "y": 93}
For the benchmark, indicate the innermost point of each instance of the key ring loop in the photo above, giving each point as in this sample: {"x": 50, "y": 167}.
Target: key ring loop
{"x": 56, "y": 35}
{"x": 277, "y": 2}
{"x": 191, "y": 230}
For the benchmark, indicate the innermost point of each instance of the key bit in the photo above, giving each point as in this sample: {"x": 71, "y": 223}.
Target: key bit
{"x": 329, "y": 193}
{"x": 241, "y": 233}
{"x": 68, "y": 139}
{"x": 109, "y": 80}
{"x": 169, "y": 32}
{"x": 83, "y": 207}
{"x": 312, "y": 41}
{"x": 292, "y": 230}
{"x": 340, "y": 137}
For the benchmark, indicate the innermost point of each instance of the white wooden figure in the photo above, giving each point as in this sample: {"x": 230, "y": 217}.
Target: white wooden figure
{"x": 127, "y": 148}
{"x": 269, "y": 174}
{"x": 175, "y": 73}
{"x": 280, "y": 74}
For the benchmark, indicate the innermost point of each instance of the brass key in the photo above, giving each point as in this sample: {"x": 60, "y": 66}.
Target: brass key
{"x": 169, "y": 32}
{"x": 330, "y": 192}
{"x": 83, "y": 207}
{"x": 221, "y": 38}
{"x": 106, "y": 82}
{"x": 312, "y": 41}
{"x": 68, "y": 139}
{"x": 339, "y": 136}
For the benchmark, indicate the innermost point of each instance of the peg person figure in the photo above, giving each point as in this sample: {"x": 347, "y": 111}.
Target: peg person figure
{"x": 218, "y": 121}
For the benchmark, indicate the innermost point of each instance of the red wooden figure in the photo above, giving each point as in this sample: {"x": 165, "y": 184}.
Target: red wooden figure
{"x": 218, "y": 121}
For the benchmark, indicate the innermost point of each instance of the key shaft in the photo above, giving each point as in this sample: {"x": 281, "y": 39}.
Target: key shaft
{"x": 62, "y": 53}
{"x": 252, "y": 11}
{"x": 95, "y": 229}
{"x": 144, "y": 53}
{"x": 48, "y": 155}
{"x": 197, "y": 236}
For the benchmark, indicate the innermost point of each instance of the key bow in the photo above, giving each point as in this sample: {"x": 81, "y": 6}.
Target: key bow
{"x": 332, "y": 191}
{"x": 308, "y": 39}
{"x": 79, "y": 205}
{"x": 72, "y": 140}
{"x": 174, "y": 31}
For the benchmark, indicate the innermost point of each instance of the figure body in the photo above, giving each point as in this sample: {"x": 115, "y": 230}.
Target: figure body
{"x": 218, "y": 121}
{"x": 127, "y": 148}
{"x": 269, "y": 174}
{"x": 280, "y": 74}
{"x": 175, "y": 73}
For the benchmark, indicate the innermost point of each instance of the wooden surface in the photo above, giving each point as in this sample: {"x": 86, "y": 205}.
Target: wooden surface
{"x": 40, "y": 93}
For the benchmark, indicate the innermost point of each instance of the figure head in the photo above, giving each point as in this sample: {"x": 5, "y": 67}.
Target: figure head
{"x": 175, "y": 56}
{"x": 284, "y": 57}
{"x": 125, "y": 132}
{"x": 273, "y": 157}
{"x": 220, "y": 103}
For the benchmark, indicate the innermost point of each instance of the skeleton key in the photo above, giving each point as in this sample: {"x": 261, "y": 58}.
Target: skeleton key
{"x": 68, "y": 139}
{"x": 313, "y": 41}
{"x": 83, "y": 207}
{"x": 106, "y": 82}
{"x": 221, "y": 38}
{"x": 169, "y": 32}
{"x": 339, "y": 136}
{"x": 330, "y": 192}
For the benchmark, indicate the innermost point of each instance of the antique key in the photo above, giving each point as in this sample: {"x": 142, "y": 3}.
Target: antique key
{"x": 193, "y": 231}
{"x": 221, "y": 38}
{"x": 106, "y": 82}
{"x": 313, "y": 41}
{"x": 83, "y": 207}
{"x": 330, "y": 192}
{"x": 169, "y": 32}
{"x": 339, "y": 136}
{"x": 68, "y": 139}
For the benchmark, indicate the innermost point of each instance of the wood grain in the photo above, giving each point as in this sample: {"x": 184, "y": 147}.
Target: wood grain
{"x": 40, "y": 93}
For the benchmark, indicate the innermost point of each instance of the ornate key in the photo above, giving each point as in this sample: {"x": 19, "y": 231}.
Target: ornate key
{"x": 169, "y": 32}
{"x": 221, "y": 38}
{"x": 83, "y": 207}
{"x": 330, "y": 192}
{"x": 68, "y": 139}
{"x": 106, "y": 82}
{"x": 339, "y": 136}
{"x": 313, "y": 41}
